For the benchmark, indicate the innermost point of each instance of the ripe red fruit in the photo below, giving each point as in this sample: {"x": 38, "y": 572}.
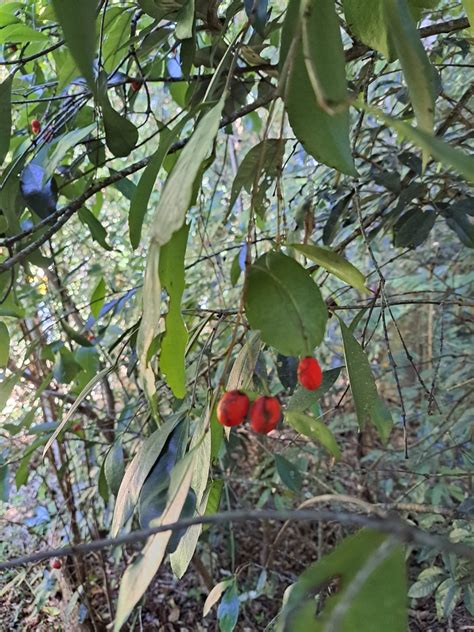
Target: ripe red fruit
{"x": 232, "y": 408}
{"x": 265, "y": 414}
{"x": 35, "y": 126}
{"x": 76, "y": 427}
{"x": 135, "y": 85}
{"x": 56, "y": 564}
{"x": 310, "y": 375}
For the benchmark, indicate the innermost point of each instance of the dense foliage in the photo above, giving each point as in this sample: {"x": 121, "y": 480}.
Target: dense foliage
{"x": 193, "y": 197}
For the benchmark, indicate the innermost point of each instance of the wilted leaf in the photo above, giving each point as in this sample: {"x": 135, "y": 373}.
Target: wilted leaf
{"x": 240, "y": 376}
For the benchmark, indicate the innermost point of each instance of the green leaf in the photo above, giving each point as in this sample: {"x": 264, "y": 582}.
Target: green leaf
{"x": 469, "y": 9}
{"x": 228, "y": 610}
{"x": 20, "y": 33}
{"x": 139, "y": 574}
{"x": 64, "y": 144}
{"x": 185, "y": 21}
{"x": 370, "y": 593}
{"x": 98, "y": 232}
{"x": 369, "y": 407}
{"x": 443, "y": 152}
{"x": 121, "y": 135}
{"x": 5, "y": 117}
{"x": 77, "y": 20}
{"x": 141, "y": 197}
{"x": 98, "y": 298}
{"x": 285, "y": 304}
{"x": 4, "y": 483}
{"x": 75, "y": 335}
{"x": 114, "y": 467}
{"x": 173, "y": 342}
{"x": 323, "y": 135}
{"x": 366, "y": 22}
{"x": 447, "y": 597}
{"x": 417, "y": 70}
{"x": 413, "y": 228}
{"x": 333, "y": 263}
{"x": 137, "y": 471}
{"x": 6, "y": 389}
{"x": 169, "y": 217}
{"x": 263, "y": 160}
{"x": 241, "y": 374}
{"x": 117, "y": 36}
{"x": 459, "y": 222}
{"x": 426, "y": 583}
{"x": 302, "y": 399}
{"x": 289, "y": 473}
{"x": 315, "y": 430}
{"x": 4, "y": 345}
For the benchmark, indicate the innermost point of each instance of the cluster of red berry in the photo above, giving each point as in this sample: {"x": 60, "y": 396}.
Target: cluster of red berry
{"x": 265, "y": 412}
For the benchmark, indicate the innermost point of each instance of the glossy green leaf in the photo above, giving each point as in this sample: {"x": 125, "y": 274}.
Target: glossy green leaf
{"x": 314, "y": 429}
{"x": 302, "y": 399}
{"x": 369, "y": 407}
{"x": 117, "y": 33}
{"x": 289, "y": 473}
{"x": 366, "y": 21}
{"x": 121, "y": 135}
{"x": 98, "y": 232}
{"x": 77, "y": 20}
{"x": 139, "y": 574}
{"x": 168, "y": 218}
{"x": 334, "y": 263}
{"x": 21, "y": 33}
{"x": 413, "y": 228}
{"x": 459, "y": 222}
{"x": 4, "y": 345}
{"x": 370, "y": 593}
{"x": 141, "y": 197}
{"x": 98, "y": 298}
{"x": 173, "y": 342}
{"x": 137, "y": 471}
{"x": 185, "y": 21}
{"x": 324, "y": 135}
{"x": 417, "y": 70}
{"x": 284, "y": 303}
{"x": 114, "y": 467}
{"x": 5, "y": 117}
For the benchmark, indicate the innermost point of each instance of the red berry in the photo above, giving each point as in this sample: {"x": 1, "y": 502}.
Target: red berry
{"x": 35, "y": 126}
{"x": 56, "y": 564}
{"x": 265, "y": 414}
{"x": 76, "y": 427}
{"x": 135, "y": 85}
{"x": 232, "y": 408}
{"x": 310, "y": 375}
